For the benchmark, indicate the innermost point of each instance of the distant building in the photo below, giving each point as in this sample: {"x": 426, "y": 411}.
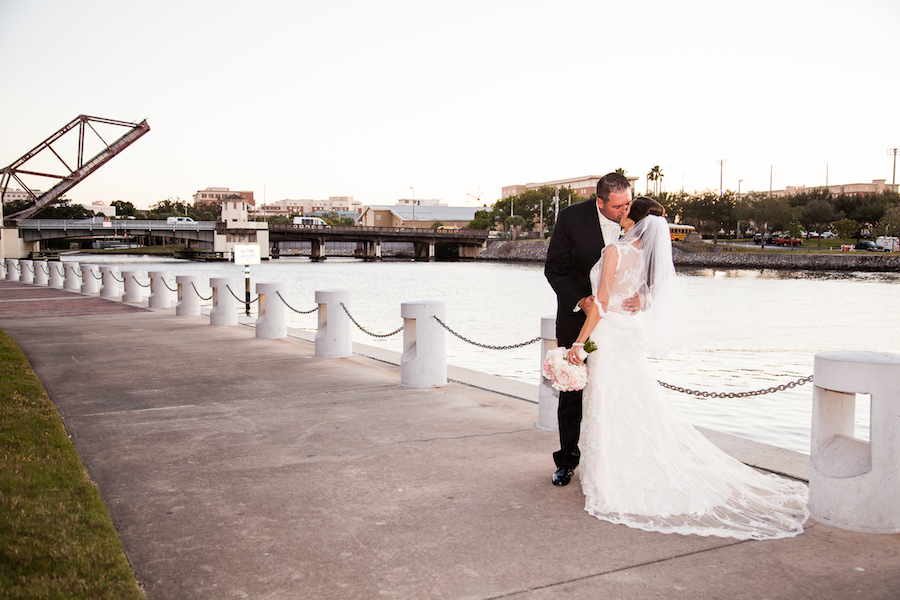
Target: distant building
{"x": 422, "y": 217}
{"x": 284, "y": 208}
{"x": 11, "y": 195}
{"x": 421, "y": 202}
{"x": 583, "y": 186}
{"x": 852, "y": 189}
{"x": 212, "y": 195}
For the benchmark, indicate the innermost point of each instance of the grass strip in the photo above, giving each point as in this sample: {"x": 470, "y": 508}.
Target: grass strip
{"x": 56, "y": 537}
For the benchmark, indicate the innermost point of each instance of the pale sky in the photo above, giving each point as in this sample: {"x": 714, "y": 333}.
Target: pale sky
{"x": 310, "y": 99}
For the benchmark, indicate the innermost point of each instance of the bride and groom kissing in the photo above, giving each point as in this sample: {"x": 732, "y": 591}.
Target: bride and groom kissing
{"x": 642, "y": 465}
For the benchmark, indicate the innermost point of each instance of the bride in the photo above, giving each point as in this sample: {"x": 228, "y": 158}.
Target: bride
{"x": 643, "y": 465}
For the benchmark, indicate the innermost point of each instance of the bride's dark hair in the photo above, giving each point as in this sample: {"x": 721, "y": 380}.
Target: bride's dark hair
{"x": 643, "y": 206}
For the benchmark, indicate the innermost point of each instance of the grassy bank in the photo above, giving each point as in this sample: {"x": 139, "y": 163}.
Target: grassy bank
{"x": 56, "y": 537}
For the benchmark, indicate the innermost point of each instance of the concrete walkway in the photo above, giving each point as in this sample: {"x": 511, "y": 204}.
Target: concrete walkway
{"x": 241, "y": 468}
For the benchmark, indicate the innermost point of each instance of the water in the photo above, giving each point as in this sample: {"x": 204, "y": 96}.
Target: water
{"x": 743, "y": 330}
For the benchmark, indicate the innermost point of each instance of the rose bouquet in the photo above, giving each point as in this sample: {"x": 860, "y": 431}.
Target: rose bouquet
{"x": 563, "y": 375}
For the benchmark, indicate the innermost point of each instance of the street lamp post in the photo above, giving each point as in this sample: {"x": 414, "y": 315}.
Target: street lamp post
{"x": 414, "y": 206}
{"x": 721, "y": 162}
{"x": 894, "y": 152}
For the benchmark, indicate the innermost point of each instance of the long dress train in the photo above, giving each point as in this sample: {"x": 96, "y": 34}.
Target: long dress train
{"x": 643, "y": 465}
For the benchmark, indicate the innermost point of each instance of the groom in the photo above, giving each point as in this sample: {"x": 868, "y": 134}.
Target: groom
{"x": 579, "y": 235}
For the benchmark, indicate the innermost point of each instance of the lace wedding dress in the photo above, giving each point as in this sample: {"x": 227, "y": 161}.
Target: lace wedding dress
{"x": 643, "y": 465}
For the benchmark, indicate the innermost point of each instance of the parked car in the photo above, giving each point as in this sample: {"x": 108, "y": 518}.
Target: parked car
{"x": 758, "y": 238}
{"x": 787, "y": 241}
{"x": 828, "y": 235}
{"x": 869, "y": 246}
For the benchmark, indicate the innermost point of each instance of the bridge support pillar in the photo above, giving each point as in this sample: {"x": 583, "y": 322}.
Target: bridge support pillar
{"x": 271, "y": 324}
{"x": 133, "y": 291}
{"x": 188, "y": 304}
{"x": 26, "y": 275}
{"x": 424, "y": 359}
{"x": 110, "y": 287}
{"x": 57, "y": 273}
{"x": 73, "y": 281}
{"x": 160, "y": 296}
{"x": 224, "y": 305}
{"x": 41, "y": 272}
{"x": 90, "y": 279}
{"x": 317, "y": 250}
{"x": 12, "y": 269}
{"x": 333, "y": 333}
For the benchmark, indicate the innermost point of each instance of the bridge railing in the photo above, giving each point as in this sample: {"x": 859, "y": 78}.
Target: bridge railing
{"x": 338, "y": 229}
{"x": 114, "y": 225}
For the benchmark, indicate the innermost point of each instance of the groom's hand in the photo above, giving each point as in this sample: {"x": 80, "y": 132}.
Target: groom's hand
{"x": 586, "y": 303}
{"x": 633, "y": 304}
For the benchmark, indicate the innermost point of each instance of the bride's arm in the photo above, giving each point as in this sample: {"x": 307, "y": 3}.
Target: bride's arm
{"x": 593, "y": 315}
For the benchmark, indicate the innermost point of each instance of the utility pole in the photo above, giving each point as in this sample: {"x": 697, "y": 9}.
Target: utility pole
{"x": 894, "y": 152}
{"x": 721, "y": 162}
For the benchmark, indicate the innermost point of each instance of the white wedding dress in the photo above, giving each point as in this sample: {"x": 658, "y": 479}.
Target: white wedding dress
{"x": 643, "y": 465}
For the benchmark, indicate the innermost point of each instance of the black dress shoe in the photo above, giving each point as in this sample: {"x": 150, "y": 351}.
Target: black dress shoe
{"x": 563, "y": 476}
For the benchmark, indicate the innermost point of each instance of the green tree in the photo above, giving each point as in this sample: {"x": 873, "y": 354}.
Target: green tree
{"x": 818, "y": 216}
{"x": 768, "y": 212}
{"x": 515, "y": 223}
{"x": 655, "y": 175}
{"x": 436, "y": 224}
{"x": 890, "y": 223}
{"x": 482, "y": 220}
{"x": 845, "y": 228}
{"x": 123, "y": 208}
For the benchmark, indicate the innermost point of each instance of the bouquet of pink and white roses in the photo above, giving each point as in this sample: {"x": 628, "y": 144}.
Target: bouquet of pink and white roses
{"x": 563, "y": 375}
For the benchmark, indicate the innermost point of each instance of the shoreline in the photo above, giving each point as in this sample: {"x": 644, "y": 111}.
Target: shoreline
{"x": 536, "y": 251}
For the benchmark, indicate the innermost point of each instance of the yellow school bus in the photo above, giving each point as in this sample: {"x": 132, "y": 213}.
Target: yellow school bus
{"x": 677, "y": 232}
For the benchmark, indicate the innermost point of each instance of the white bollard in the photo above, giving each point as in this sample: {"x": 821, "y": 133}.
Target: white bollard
{"x": 26, "y": 271}
{"x": 424, "y": 359}
{"x": 57, "y": 273}
{"x": 548, "y": 398}
{"x": 224, "y": 304}
{"x": 854, "y": 484}
{"x": 73, "y": 277}
{"x": 160, "y": 295}
{"x": 41, "y": 272}
{"x": 188, "y": 304}
{"x": 134, "y": 291}
{"x": 110, "y": 282}
{"x": 12, "y": 269}
{"x": 90, "y": 279}
{"x": 271, "y": 324}
{"x": 333, "y": 334}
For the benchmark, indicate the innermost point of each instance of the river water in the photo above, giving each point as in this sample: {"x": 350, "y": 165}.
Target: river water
{"x": 743, "y": 330}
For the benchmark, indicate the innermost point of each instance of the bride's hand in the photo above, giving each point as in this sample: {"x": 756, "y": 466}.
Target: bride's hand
{"x": 574, "y": 356}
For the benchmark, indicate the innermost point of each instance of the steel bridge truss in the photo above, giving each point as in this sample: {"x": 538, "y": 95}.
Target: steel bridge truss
{"x": 82, "y": 168}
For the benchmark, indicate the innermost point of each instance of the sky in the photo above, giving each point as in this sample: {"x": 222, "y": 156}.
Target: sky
{"x": 390, "y": 99}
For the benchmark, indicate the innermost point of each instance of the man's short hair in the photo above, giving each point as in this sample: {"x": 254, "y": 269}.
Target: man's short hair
{"x": 611, "y": 183}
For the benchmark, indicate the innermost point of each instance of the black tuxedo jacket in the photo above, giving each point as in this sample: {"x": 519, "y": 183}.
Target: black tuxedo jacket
{"x": 574, "y": 249}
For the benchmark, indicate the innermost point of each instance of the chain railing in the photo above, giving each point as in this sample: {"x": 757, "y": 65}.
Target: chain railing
{"x": 149, "y": 283}
{"x": 302, "y": 312}
{"x": 96, "y": 276}
{"x": 165, "y": 283}
{"x": 242, "y": 301}
{"x": 363, "y": 329}
{"x": 511, "y": 347}
{"x": 113, "y": 275}
{"x": 761, "y": 392}
{"x": 198, "y": 293}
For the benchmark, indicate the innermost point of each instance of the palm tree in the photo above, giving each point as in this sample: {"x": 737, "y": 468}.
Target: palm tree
{"x": 654, "y": 175}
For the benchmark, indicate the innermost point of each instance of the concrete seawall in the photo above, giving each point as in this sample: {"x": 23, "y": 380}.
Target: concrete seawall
{"x": 536, "y": 251}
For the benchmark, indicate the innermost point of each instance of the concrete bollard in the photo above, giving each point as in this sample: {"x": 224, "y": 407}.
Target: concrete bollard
{"x": 134, "y": 291}
{"x": 110, "y": 287}
{"x": 12, "y": 269}
{"x": 26, "y": 271}
{"x": 90, "y": 279}
{"x": 41, "y": 272}
{"x": 224, "y": 305}
{"x": 57, "y": 273}
{"x": 188, "y": 304}
{"x": 548, "y": 398}
{"x": 271, "y": 324}
{"x": 73, "y": 277}
{"x": 333, "y": 334}
{"x": 424, "y": 359}
{"x": 855, "y": 484}
{"x": 160, "y": 295}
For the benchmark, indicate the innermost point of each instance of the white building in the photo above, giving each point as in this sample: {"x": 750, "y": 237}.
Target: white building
{"x": 284, "y": 208}
{"x": 421, "y": 217}
{"x": 11, "y": 195}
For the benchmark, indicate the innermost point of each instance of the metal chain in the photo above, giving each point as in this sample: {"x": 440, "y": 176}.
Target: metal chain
{"x": 512, "y": 347}
{"x": 167, "y": 285}
{"x": 46, "y": 271}
{"x": 369, "y": 332}
{"x": 149, "y": 283}
{"x": 97, "y": 277}
{"x": 30, "y": 268}
{"x": 113, "y": 275}
{"x": 198, "y": 293}
{"x": 302, "y": 312}
{"x": 771, "y": 390}
{"x": 238, "y": 299}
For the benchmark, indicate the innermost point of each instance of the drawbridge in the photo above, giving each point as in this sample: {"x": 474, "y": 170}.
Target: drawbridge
{"x": 75, "y": 170}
